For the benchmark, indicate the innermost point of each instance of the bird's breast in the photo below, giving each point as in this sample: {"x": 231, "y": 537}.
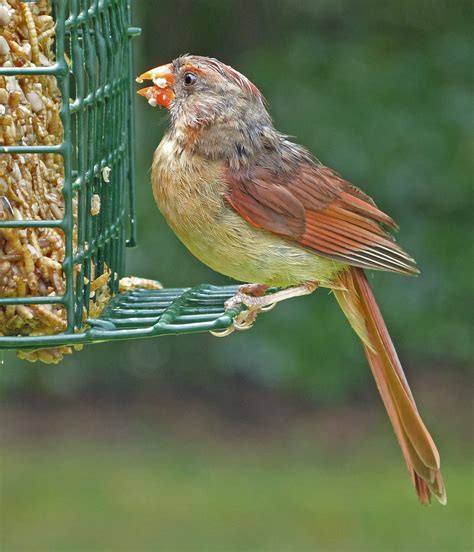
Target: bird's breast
{"x": 188, "y": 189}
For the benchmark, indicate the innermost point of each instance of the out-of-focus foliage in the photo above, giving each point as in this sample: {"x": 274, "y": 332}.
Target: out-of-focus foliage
{"x": 379, "y": 92}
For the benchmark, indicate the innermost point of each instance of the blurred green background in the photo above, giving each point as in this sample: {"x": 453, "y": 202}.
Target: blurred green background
{"x": 275, "y": 439}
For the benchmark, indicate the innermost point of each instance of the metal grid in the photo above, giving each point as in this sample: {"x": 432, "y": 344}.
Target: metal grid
{"x": 93, "y": 72}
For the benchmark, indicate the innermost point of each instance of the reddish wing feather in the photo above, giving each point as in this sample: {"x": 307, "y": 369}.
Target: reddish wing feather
{"x": 316, "y": 208}
{"x": 269, "y": 206}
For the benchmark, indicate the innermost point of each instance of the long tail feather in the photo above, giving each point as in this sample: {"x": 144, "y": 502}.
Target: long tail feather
{"x": 421, "y": 455}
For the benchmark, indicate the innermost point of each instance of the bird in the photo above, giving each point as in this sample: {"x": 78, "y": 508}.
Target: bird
{"x": 255, "y": 206}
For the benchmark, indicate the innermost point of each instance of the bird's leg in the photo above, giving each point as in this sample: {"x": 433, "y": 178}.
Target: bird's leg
{"x": 252, "y": 296}
{"x": 259, "y": 300}
{"x": 255, "y": 290}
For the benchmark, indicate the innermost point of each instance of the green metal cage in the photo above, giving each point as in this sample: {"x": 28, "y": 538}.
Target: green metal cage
{"x": 93, "y": 69}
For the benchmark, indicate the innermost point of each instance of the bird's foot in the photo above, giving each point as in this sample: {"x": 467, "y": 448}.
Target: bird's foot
{"x": 254, "y": 298}
{"x": 246, "y": 295}
{"x": 243, "y": 321}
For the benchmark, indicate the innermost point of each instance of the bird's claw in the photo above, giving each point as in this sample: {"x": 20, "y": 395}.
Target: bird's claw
{"x": 222, "y": 333}
{"x": 243, "y": 321}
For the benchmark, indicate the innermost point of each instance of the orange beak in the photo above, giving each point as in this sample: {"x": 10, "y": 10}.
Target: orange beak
{"x": 161, "y": 93}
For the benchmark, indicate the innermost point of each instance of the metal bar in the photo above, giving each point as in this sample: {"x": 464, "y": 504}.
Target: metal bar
{"x": 32, "y": 224}
{"x": 80, "y": 138}
{"x": 63, "y": 84}
{"x": 95, "y": 335}
{"x": 56, "y": 69}
{"x": 40, "y": 300}
{"x": 58, "y": 148}
{"x": 132, "y": 238}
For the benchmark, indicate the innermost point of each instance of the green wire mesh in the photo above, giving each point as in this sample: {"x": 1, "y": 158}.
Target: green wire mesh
{"x": 93, "y": 69}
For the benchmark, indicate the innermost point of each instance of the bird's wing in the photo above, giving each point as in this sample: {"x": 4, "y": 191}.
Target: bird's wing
{"x": 314, "y": 207}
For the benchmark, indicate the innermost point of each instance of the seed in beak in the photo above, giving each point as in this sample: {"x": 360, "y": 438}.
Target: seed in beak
{"x": 157, "y": 96}
{"x": 161, "y": 82}
{"x": 161, "y": 93}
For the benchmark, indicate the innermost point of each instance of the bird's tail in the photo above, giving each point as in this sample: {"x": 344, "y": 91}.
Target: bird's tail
{"x": 421, "y": 455}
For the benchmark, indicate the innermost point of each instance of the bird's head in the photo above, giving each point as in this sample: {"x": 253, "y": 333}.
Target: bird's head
{"x": 203, "y": 94}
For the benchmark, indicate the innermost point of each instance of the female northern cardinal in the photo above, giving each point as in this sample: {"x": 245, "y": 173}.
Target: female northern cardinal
{"x": 258, "y": 208}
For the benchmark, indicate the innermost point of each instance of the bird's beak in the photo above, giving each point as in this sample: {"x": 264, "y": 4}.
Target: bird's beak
{"x": 161, "y": 93}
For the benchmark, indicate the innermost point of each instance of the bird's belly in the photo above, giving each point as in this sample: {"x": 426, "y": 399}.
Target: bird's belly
{"x": 229, "y": 245}
{"x": 276, "y": 264}
{"x": 193, "y": 202}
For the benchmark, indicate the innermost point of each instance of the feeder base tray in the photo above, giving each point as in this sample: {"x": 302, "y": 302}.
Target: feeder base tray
{"x": 144, "y": 313}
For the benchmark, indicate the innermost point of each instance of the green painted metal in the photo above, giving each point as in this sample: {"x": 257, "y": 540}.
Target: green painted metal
{"x": 93, "y": 69}
{"x": 145, "y": 313}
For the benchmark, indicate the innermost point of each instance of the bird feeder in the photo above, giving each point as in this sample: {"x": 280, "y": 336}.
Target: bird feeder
{"x": 82, "y": 58}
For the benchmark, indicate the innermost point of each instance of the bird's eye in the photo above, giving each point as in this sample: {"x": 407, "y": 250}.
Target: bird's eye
{"x": 189, "y": 79}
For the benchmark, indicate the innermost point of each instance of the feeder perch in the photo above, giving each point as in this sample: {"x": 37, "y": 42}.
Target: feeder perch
{"x": 93, "y": 71}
